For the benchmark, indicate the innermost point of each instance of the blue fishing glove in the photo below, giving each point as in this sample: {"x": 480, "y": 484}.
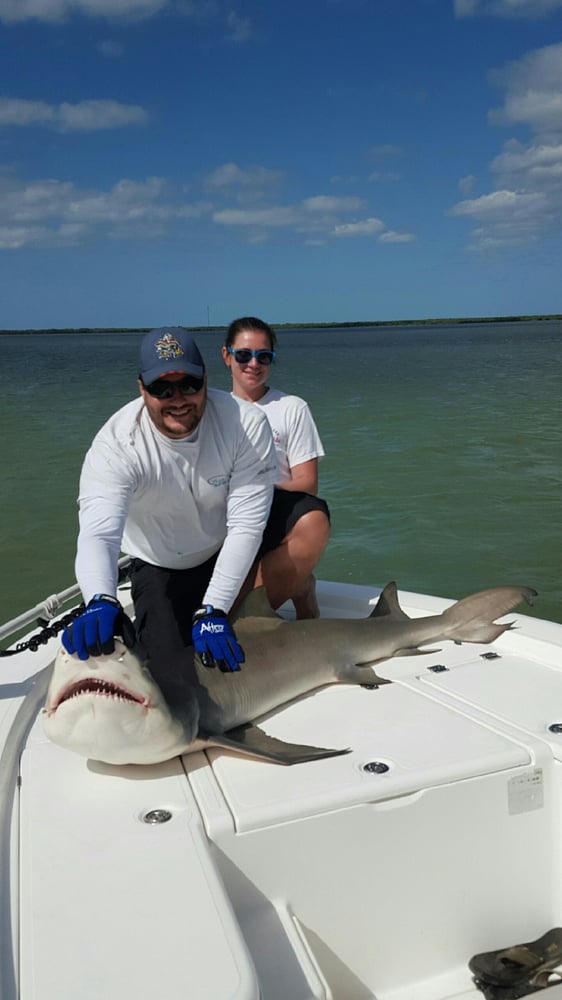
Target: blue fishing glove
{"x": 91, "y": 634}
{"x": 214, "y": 640}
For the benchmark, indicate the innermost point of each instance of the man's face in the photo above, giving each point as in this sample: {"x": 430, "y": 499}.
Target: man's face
{"x": 179, "y": 415}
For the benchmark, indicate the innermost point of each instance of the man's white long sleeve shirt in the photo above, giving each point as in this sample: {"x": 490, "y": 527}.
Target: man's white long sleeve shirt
{"x": 175, "y": 503}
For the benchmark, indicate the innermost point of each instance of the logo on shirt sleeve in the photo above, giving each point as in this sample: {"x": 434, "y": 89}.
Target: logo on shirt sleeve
{"x": 218, "y": 480}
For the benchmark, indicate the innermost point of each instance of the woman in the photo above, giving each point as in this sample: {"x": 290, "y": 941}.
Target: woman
{"x": 299, "y": 521}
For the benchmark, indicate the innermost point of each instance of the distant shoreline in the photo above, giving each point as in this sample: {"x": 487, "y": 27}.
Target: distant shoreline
{"x": 450, "y": 321}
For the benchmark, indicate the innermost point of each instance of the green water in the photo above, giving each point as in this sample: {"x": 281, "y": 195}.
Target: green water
{"x": 443, "y": 451}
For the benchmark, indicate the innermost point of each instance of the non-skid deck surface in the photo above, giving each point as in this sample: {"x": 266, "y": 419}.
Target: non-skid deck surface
{"x": 112, "y": 907}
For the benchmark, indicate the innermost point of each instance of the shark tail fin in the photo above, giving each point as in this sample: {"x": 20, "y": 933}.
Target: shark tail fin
{"x": 472, "y": 619}
{"x": 388, "y": 605}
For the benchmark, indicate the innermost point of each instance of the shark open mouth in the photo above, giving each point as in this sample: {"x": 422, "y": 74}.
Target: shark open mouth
{"x": 93, "y": 685}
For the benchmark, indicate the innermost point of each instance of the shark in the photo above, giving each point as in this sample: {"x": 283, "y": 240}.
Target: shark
{"x": 119, "y": 709}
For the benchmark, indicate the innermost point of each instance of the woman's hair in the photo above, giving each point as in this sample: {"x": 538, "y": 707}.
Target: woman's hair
{"x": 249, "y": 323}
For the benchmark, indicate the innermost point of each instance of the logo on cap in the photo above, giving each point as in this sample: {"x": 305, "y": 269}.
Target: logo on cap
{"x": 168, "y": 347}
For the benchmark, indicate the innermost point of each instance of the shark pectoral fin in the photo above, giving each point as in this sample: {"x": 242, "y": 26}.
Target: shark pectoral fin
{"x": 406, "y": 651}
{"x": 251, "y": 740}
{"x": 410, "y": 651}
{"x": 361, "y": 673}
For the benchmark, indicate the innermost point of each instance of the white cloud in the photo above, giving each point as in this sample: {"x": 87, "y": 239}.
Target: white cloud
{"x": 326, "y": 203}
{"x": 50, "y": 212}
{"x": 12, "y": 11}
{"x": 318, "y": 218}
{"x": 371, "y": 227}
{"x": 533, "y": 91}
{"x": 389, "y": 236}
{"x": 93, "y": 115}
{"x": 248, "y": 185}
{"x": 497, "y": 203}
{"x": 368, "y": 227}
{"x": 465, "y": 8}
{"x": 15, "y": 111}
{"x": 17, "y": 237}
{"x": 276, "y": 216}
{"x": 239, "y": 28}
{"x": 86, "y": 116}
{"x": 314, "y": 214}
{"x": 527, "y": 201}
{"x": 56, "y": 213}
{"x": 383, "y": 151}
{"x": 383, "y": 176}
{"x": 466, "y": 185}
{"x": 519, "y": 158}
{"x": 506, "y": 218}
{"x": 506, "y": 8}
{"x": 230, "y": 175}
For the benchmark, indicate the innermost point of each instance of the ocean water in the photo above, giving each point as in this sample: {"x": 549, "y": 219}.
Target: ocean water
{"x": 443, "y": 450}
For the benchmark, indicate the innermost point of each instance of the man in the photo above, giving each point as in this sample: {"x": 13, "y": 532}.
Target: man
{"x": 181, "y": 480}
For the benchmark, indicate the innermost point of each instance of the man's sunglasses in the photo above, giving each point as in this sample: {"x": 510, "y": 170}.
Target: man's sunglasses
{"x": 163, "y": 389}
{"x": 243, "y": 356}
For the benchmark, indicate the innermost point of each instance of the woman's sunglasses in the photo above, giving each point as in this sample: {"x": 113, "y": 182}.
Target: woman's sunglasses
{"x": 243, "y": 356}
{"x": 163, "y": 389}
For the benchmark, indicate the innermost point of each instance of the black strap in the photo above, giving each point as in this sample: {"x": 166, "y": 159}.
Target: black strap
{"x": 48, "y": 631}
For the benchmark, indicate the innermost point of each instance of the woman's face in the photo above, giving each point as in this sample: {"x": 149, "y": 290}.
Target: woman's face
{"x": 248, "y": 379}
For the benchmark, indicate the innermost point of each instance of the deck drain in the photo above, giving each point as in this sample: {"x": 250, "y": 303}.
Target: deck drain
{"x": 376, "y": 767}
{"x": 157, "y": 816}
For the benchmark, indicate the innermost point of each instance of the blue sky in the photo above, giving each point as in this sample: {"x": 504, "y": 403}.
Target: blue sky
{"x": 187, "y": 161}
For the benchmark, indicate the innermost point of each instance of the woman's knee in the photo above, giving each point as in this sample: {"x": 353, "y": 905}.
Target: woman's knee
{"x": 312, "y": 531}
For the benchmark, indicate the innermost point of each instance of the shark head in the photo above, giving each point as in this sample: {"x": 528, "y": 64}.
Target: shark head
{"x": 109, "y": 708}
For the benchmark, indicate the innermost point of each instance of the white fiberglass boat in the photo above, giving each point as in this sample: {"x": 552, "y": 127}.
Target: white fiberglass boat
{"x": 378, "y": 874}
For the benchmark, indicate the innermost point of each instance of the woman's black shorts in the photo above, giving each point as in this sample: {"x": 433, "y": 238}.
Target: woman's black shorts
{"x": 287, "y": 508}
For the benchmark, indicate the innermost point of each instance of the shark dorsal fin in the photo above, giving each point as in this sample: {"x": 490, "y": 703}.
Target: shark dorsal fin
{"x": 255, "y": 605}
{"x": 387, "y": 604}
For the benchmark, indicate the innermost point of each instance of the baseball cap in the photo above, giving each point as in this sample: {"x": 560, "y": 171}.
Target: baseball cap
{"x": 167, "y": 350}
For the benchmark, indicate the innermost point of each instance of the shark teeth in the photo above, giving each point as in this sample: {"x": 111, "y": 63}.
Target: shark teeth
{"x": 93, "y": 685}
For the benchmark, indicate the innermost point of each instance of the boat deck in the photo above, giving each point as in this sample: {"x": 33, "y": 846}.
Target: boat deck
{"x": 377, "y": 874}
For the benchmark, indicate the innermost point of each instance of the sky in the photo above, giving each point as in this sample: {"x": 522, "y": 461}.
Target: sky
{"x": 190, "y": 161}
